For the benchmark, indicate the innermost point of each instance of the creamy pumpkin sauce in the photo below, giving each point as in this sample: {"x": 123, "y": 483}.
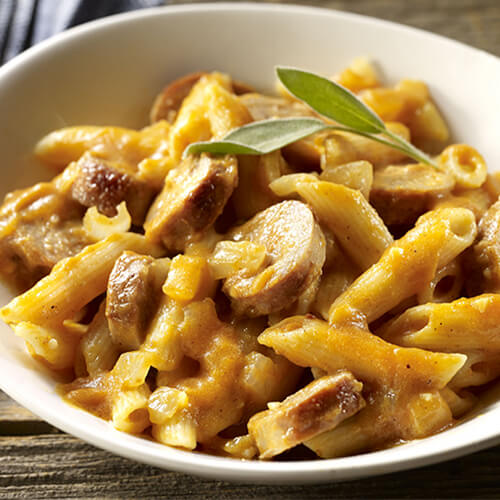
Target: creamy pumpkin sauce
{"x": 329, "y": 295}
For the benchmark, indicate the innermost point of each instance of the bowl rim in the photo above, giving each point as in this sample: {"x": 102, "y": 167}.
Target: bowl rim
{"x": 143, "y": 450}
{"x": 132, "y": 16}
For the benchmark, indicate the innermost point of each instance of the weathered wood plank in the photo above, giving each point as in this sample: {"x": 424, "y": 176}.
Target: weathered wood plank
{"x": 18, "y": 421}
{"x": 10, "y": 411}
{"x": 475, "y": 22}
{"x": 61, "y": 466}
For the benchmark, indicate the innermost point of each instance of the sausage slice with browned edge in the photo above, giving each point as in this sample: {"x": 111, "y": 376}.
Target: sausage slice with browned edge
{"x": 401, "y": 193}
{"x": 304, "y": 154}
{"x": 296, "y": 253}
{"x": 169, "y": 100}
{"x": 193, "y": 196}
{"x": 482, "y": 261}
{"x": 130, "y": 300}
{"x": 316, "y": 408}
{"x": 104, "y": 184}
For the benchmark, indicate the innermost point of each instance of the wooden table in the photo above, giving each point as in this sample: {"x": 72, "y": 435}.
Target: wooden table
{"x": 38, "y": 461}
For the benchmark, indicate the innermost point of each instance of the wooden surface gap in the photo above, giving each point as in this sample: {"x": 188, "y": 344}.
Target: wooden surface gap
{"x": 29, "y": 428}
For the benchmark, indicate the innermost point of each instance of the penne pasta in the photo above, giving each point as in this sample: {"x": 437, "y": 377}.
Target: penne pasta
{"x": 461, "y": 326}
{"x": 359, "y": 75}
{"x": 210, "y": 109}
{"x": 97, "y": 347}
{"x": 217, "y": 347}
{"x": 469, "y": 326}
{"x": 311, "y": 342}
{"x": 163, "y": 339}
{"x": 99, "y": 227}
{"x": 465, "y": 164}
{"x": 129, "y": 411}
{"x": 446, "y": 285}
{"x": 73, "y": 282}
{"x": 410, "y": 378}
{"x": 177, "y": 431}
{"x": 346, "y": 213}
{"x": 55, "y": 347}
{"x": 343, "y": 147}
{"x": 407, "y": 265}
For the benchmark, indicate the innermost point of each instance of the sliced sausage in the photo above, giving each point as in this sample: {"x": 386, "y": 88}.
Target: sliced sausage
{"x": 263, "y": 107}
{"x": 304, "y": 154}
{"x": 296, "y": 248}
{"x": 319, "y": 407}
{"x": 483, "y": 260}
{"x": 400, "y": 194}
{"x": 39, "y": 226}
{"x": 130, "y": 300}
{"x": 169, "y": 100}
{"x": 193, "y": 196}
{"x": 106, "y": 184}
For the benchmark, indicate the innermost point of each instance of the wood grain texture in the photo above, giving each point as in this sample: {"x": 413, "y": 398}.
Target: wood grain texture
{"x": 61, "y": 466}
{"x": 475, "y": 22}
{"x": 10, "y": 411}
{"x": 18, "y": 421}
{"x": 37, "y": 461}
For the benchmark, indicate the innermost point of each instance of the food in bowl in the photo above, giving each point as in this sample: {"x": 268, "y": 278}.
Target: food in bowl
{"x": 330, "y": 293}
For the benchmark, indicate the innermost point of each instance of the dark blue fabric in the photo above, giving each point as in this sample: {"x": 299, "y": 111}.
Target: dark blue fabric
{"x": 26, "y": 22}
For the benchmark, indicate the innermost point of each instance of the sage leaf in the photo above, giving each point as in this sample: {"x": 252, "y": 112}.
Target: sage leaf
{"x": 330, "y": 100}
{"x": 325, "y": 97}
{"x": 259, "y": 138}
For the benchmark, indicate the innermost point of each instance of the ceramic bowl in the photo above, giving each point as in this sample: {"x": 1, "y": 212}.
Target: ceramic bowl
{"x": 108, "y": 72}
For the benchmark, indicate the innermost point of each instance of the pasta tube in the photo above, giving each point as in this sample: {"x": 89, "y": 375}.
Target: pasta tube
{"x": 461, "y": 326}
{"x": 465, "y": 164}
{"x": 404, "y": 400}
{"x": 407, "y": 265}
{"x": 470, "y": 326}
{"x": 312, "y": 342}
{"x": 129, "y": 411}
{"x": 73, "y": 282}
{"x": 445, "y": 286}
{"x": 97, "y": 348}
{"x": 177, "y": 431}
{"x": 344, "y": 211}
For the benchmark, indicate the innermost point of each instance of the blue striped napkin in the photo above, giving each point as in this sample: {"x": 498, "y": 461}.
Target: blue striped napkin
{"x": 26, "y": 22}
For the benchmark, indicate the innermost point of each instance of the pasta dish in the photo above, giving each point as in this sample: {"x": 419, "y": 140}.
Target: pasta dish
{"x": 332, "y": 294}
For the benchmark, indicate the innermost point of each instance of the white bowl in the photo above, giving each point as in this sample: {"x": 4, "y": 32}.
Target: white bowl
{"x": 107, "y": 72}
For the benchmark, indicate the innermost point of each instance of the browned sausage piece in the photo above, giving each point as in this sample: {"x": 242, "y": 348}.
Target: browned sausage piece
{"x": 39, "y": 226}
{"x": 193, "y": 196}
{"x": 263, "y": 107}
{"x": 304, "y": 154}
{"x": 320, "y": 406}
{"x": 400, "y": 194}
{"x": 296, "y": 248}
{"x": 483, "y": 260}
{"x": 169, "y": 100}
{"x": 106, "y": 184}
{"x": 130, "y": 300}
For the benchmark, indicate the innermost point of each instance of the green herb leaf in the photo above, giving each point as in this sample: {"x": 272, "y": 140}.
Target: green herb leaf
{"x": 260, "y": 137}
{"x": 330, "y": 100}
{"x": 220, "y": 148}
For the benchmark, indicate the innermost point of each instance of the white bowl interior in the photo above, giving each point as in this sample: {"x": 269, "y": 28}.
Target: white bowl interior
{"x": 108, "y": 73}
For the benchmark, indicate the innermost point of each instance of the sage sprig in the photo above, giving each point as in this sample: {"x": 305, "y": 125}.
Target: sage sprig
{"x": 339, "y": 104}
{"x": 328, "y": 99}
{"x": 259, "y": 138}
